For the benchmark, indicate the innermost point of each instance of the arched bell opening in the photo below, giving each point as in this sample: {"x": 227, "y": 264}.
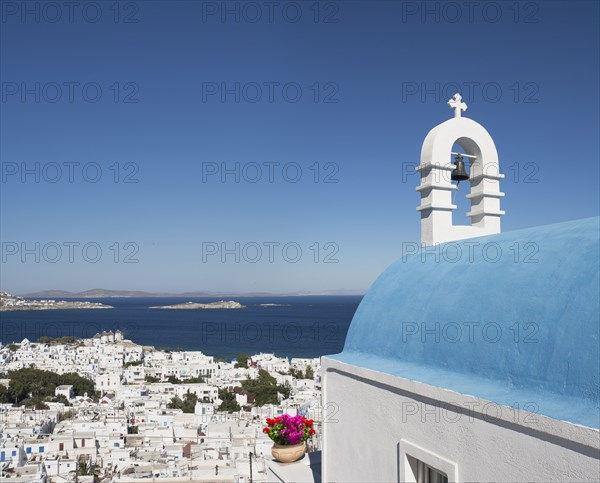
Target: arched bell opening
{"x": 466, "y": 157}
{"x": 460, "y": 180}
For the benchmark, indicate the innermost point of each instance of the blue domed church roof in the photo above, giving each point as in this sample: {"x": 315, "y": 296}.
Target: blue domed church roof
{"x": 509, "y": 318}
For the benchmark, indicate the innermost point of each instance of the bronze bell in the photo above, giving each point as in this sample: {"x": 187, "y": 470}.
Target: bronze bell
{"x": 460, "y": 173}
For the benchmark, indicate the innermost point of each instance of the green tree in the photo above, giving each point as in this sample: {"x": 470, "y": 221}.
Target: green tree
{"x": 193, "y": 380}
{"x": 4, "y": 395}
{"x": 34, "y": 402}
{"x": 285, "y": 390}
{"x": 175, "y": 403}
{"x": 61, "y": 398}
{"x": 309, "y": 373}
{"x": 83, "y": 468}
{"x": 36, "y": 384}
{"x": 263, "y": 390}
{"x": 296, "y": 374}
{"x": 66, "y": 415}
{"x": 187, "y": 404}
{"x": 81, "y": 385}
{"x": 17, "y": 390}
{"x": 228, "y": 403}
{"x": 242, "y": 360}
{"x": 39, "y": 405}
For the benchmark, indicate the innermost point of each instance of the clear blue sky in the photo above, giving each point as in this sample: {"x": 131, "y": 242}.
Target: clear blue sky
{"x": 389, "y": 65}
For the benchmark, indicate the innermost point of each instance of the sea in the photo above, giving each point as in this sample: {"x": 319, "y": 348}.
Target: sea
{"x": 299, "y": 326}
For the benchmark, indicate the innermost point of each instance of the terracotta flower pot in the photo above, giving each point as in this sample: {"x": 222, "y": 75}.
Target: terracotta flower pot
{"x": 288, "y": 453}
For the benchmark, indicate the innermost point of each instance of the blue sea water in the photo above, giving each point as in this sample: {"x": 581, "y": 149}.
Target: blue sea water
{"x": 308, "y": 326}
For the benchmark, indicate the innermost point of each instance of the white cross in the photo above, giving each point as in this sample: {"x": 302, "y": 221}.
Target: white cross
{"x": 457, "y": 104}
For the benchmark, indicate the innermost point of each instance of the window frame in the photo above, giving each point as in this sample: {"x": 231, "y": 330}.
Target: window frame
{"x": 429, "y": 459}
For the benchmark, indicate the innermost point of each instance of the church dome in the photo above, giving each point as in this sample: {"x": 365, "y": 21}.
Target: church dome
{"x": 511, "y": 318}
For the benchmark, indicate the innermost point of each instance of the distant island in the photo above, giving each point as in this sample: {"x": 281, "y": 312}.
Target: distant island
{"x": 221, "y": 304}
{"x": 107, "y": 293}
{"x": 10, "y": 302}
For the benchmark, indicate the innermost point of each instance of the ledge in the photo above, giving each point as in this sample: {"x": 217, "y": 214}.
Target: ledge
{"x": 564, "y": 418}
{"x": 483, "y": 194}
{"x": 486, "y": 213}
{"x": 429, "y": 186}
{"x": 432, "y": 206}
{"x": 305, "y": 470}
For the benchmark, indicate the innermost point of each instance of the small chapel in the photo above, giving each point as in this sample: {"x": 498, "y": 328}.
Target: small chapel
{"x": 476, "y": 357}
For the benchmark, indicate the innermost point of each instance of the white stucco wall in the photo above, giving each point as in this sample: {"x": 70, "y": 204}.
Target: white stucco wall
{"x": 372, "y": 419}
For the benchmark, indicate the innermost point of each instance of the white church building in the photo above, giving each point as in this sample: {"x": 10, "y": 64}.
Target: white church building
{"x": 476, "y": 357}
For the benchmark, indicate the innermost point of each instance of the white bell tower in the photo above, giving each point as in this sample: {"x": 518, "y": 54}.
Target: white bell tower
{"x": 436, "y": 187}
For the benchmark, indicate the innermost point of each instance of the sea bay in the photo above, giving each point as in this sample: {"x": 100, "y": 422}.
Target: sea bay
{"x": 295, "y": 326}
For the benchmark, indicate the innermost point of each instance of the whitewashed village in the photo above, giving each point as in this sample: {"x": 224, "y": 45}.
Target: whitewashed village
{"x": 153, "y": 415}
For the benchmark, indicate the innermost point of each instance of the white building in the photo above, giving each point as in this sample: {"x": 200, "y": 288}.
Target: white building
{"x": 130, "y": 431}
{"x": 64, "y": 390}
{"x": 107, "y": 381}
{"x": 270, "y": 362}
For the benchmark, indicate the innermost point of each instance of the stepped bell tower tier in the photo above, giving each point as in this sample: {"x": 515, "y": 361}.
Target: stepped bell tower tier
{"x": 436, "y": 186}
